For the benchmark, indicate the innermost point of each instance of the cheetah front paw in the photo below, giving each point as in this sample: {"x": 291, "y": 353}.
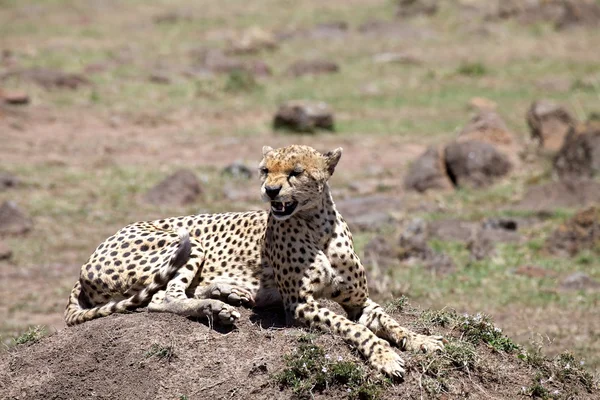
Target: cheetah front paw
{"x": 424, "y": 343}
{"x": 386, "y": 360}
{"x": 234, "y": 295}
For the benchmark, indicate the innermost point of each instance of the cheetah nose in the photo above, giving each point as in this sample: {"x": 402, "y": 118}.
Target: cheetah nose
{"x": 272, "y": 191}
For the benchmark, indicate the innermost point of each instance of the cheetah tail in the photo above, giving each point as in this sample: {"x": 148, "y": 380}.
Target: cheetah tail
{"x": 76, "y": 314}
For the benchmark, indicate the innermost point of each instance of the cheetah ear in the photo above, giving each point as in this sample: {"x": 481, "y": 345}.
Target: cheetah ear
{"x": 266, "y": 150}
{"x": 331, "y": 159}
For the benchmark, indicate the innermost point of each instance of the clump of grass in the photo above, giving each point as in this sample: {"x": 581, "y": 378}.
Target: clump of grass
{"x": 536, "y": 390}
{"x": 436, "y": 369}
{"x": 444, "y": 317}
{"x": 568, "y": 369}
{"x": 166, "y": 353}
{"x": 309, "y": 369}
{"x": 396, "y": 305}
{"x": 533, "y": 357}
{"x": 479, "y": 328}
{"x": 240, "y": 80}
{"x": 472, "y": 69}
{"x": 32, "y": 335}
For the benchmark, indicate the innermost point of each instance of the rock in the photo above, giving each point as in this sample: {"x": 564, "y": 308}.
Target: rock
{"x": 49, "y": 78}
{"x": 581, "y": 232}
{"x": 395, "y": 29}
{"x": 8, "y": 181}
{"x": 326, "y": 30}
{"x": 369, "y": 212}
{"x": 475, "y": 164}
{"x": 14, "y": 97}
{"x": 160, "y": 78}
{"x": 452, "y": 229}
{"x": 579, "y": 156}
{"x": 579, "y": 281}
{"x": 579, "y": 13}
{"x": 312, "y": 67}
{"x": 239, "y": 171}
{"x": 482, "y": 243}
{"x": 487, "y": 127}
{"x": 428, "y": 172}
{"x": 558, "y": 84}
{"x": 253, "y": 40}
{"x": 564, "y": 194}
{"x": 218, "y": 62}
{"x": 534, "y": 271}
{"x": 440, "y": 264}
{"x": 13, "y": 221}
{"x": 482, "y": 104}
{"x": 178, "y": 189}
{"x": 412, "y": 8}
{"x": 171, "y": 17}
{"x": 396, "y": 58}
{"x": 303, "y": 116}
{"x": 549, "y": 124}
{"x": 5, "y": 251}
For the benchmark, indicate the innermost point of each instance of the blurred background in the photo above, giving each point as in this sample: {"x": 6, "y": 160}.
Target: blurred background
{"x": 470, "y": 130}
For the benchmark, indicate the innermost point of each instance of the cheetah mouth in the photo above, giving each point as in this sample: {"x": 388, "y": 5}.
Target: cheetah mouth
{"x": 283, "y": 209}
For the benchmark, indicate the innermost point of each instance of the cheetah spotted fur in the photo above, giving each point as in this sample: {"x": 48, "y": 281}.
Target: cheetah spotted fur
{"x": 299, "y": 251}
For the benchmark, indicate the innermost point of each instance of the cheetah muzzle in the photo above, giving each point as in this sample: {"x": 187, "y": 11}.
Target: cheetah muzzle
{"x": 298, "y": 252}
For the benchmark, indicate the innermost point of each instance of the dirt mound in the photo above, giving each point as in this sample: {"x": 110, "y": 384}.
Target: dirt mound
{"x": 565, "y": 194}
{"x": 579, "y": 233}
{"x": 165, "y": 356}
{"x": 549, "y": 124}
{"x": 579, "y": 155}
{"x": 180, "y": 188}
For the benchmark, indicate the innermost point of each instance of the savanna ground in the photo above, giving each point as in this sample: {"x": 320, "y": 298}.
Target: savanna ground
{"x": 85, "y": 157}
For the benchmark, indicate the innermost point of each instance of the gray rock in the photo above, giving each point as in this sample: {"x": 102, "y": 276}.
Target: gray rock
{"x": 13, "y": 221}
{"x": 475, "y": 164}
{"x": 304, "y": 116}
{"x": 579, "y": 281}
{"x": 428, "y": 172}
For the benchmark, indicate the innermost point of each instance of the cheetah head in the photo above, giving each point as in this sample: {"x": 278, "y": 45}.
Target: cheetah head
{"x": 294, "y": 177}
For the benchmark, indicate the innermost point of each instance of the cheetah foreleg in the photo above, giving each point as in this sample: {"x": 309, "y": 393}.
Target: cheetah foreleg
{"x": 384, "y": 326}
{"x": 378, "y": 352}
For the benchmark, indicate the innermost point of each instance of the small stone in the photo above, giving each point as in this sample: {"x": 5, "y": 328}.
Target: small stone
{"x": 579, "y": 281}
{"x": 13, "y": 221}
{"x": 482, "y": 104}
{"x": 253, "y": 40}
{"x": 238, "y": 171}
{"x": 534, "y": 271}
{"x": 549, "y": 124}
{"x": 160, "y": 78}
{"x": 14, "y": 97}
{"x": 312, "y": 67}
{"x": 5, "y": 251}
{"x": 179, "y": 189}
{"x": 396, "y": 58}
{"x": 304, "y": 116}
{"x": 8, "y": 181}
{"x": 412, "y": 8}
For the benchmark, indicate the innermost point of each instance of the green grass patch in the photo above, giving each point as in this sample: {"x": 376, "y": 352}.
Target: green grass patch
{"x": 310, "y": 370}
{"x": 160, "y": 352}
{"x": 32, "y": 335}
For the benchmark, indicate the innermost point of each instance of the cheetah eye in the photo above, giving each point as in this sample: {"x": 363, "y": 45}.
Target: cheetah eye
{"x": 263, "y": 170}
{"x": 296, "y": 172}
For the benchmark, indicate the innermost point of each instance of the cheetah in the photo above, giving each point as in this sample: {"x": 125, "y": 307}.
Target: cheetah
{"x": 297, "y": 252}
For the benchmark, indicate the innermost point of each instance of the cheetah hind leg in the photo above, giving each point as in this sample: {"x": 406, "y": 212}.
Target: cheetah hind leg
{"x": 230, "y": 294}
{"x": 214, "y": 310}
